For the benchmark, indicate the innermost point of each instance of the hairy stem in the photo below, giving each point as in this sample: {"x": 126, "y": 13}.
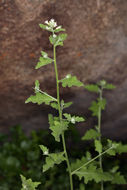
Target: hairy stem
{"x": 99, "y": 129}
{"x": 60, "y": 117}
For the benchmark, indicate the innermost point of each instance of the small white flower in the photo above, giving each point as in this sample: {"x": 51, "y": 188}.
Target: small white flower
{"x": 72, "y": 120}
{"x": 52, "y": 20}
{"x": 36, "y": 88}
{"x": 58, "y": 27}
{"x": 52, "y": 23}
{"x": 48, "y": 28}
{"x": 46, "y": 22}
{"x": 46, "y": 153}
{"x": 45, "y": 56}
{"x": 54, "y": 35}
{"x": 24, "y": 186}
{"x": 68, "y": 76}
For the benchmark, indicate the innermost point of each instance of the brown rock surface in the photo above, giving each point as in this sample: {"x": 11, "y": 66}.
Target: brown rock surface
{"x": 96, "y": 49}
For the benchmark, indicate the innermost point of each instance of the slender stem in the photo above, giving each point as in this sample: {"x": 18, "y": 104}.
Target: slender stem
{"x": 99, "y": 129}
{"x": 60, "y": 117}
{"x": 91, "y": 160}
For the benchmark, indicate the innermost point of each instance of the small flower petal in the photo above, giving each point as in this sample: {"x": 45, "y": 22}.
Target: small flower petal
{"x": 54, "y": 35}
{"x": 58, "y": 27}
{"x": 46, "y": 22}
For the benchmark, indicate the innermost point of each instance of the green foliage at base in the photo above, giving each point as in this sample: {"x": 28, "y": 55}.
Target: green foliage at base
{"x": 20, "y": 154}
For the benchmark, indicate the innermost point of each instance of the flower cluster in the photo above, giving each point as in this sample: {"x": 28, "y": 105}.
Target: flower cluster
{"x": 51, "y": 24}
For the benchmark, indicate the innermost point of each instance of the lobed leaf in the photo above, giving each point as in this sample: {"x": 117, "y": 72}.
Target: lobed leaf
{"x": 58, "y": 39}
{"x": 54, "y": 105}
{"x": 102, "y": 103}
{"x": 95, "y": 105}
{"x": 28, "y": 184}
{"x": 57, "y": 127}
{"x": 118, "y": 179}
{"x": 71, "y": 81}
{"x": 43, "y": 61}
{"x": 52, "y": 159}
{"x": 98, "y": 146}
{"x": 78, "y": 163}
{"x": 118, "y": 148}
{"x": 92, "y": 173}
{"x": 90, "y": 134}
{"x": 73, "y": 119}
{"x": 94, "y": 108}
{"x": 121, "y": 148}
{"x": 39, "y": 98}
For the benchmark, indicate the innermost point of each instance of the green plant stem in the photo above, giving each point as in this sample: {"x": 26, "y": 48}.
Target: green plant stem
{"x": 91, "y": 160}
{"x": 60, "y": 117}
{"x": 99, "y": 130}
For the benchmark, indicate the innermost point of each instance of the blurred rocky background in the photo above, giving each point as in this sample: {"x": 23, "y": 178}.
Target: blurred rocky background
{"x": 96, "y": 49}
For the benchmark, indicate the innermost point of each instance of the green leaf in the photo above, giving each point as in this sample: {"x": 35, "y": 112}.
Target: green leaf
{"x": 44, "y": 54}
{"x": 45, "y": 27}
{"x": 113, "y": 151}
{"x": 118, "y": 148}
{"x": 94, "y": 108}
{"x": 52, "y": 159}
{"x": 121, "y": 148}
{"x": 57, "y": 127}
{"x": 51, "y": 119}
{"x": 92, "y": 88}
{"x": 78, "y": 163}
{"x": 95, "y": 105}
{"x": 68, "y": 104}
{"x": 118, "y": 179}
{"x": 44, "y": 149}
{"x": 98, "y": 146}
{"x": 109, "y": 86}
{"x": 73, "y": 119}
{"x": 44, "y": 60}
{"x": 91, "y": 134}
{"x": 54, "y": 105}
{"x": 58, "y": 40}
{"x": 114, "y": 169}
{"x": 52, "y": 40}
{"x": 59, "y": 30}
{"x": 28, "y": 184}
{"x": 65, "y": 105}
{"x": 92, "y": 173}
{"x": 40, "y": 98}
{"x": 102, "y": 103}
{"x": 71, "y": 81}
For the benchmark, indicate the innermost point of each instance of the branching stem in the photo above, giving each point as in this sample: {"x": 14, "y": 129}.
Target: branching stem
{"x": 60, "y": 117}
